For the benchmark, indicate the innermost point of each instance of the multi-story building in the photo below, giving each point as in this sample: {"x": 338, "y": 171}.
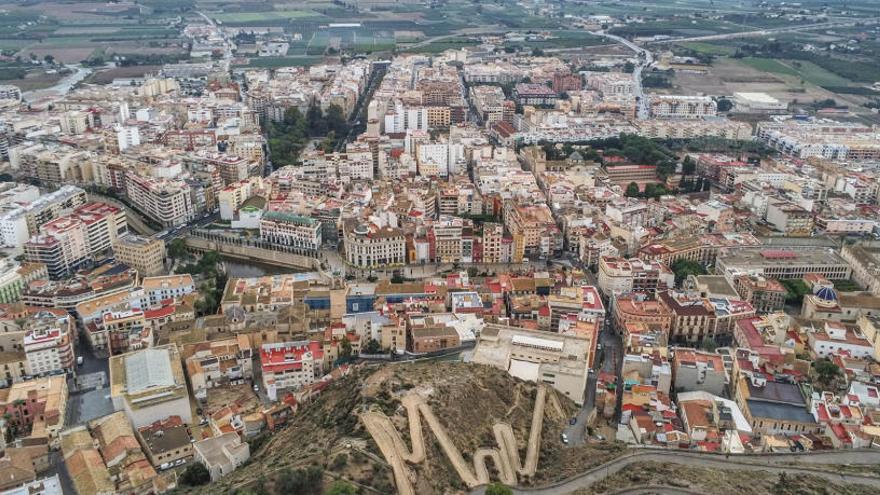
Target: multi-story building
{"x": 451, "y": 240}
{"x": 166, "y": 442}
{"x": 104, "y": 224}
{"x": 149, "y": 385}
{"x": 36, "y": 406}
{"x": 697, "y": 319}
{"x": 700, "y": 248}
{"x": 820, "y": 138}
{"x": 534, "y": 94}
{"x": 865, "y": 262}
{"x": 48, "y": 342}
{"x": 766, "y": 295}
{"x": 19, "y": 223}
{"x": 789, "y": 218}
{"x": 682, "y": 107}
{"x": 629, "y": 310}
{"x": 368, "y": 246}
{"x": 167, "y": 287}
{"x": 122, "y": 331}
{"x": 215, "y": 363}
{"x": 621, "y": 276}
{"x": 611, "y": 83}
{"x": 784, "y": 263}
{"x": 290, "y": 365}
{"x": 144, "y": 254}
{"x": 534, "y": 228}
{"x": 62, "y": 247}
{"x": 695, "y": 371}
{"x": 11, "y": 282}
{"x": 559, "y": 360}
{"x": 291, "y": 231}
{"x": 167, "y": 201}
{"x": 492, "y": 243}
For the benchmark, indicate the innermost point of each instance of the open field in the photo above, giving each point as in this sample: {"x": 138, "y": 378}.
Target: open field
{"x": 243, "y": 17}
{"x": 802, "y": 69}
{"x": 756, "y": 75}
{"x": 107, "y": 76}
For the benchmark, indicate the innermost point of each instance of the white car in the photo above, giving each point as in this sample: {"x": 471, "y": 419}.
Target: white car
{"x": 256, "y": 388}
{"x": 565, "y": 438}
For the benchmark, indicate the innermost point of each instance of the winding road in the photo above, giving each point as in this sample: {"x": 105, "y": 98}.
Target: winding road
{"x": 773, "y": 463}
{"x": 506, "y": 457}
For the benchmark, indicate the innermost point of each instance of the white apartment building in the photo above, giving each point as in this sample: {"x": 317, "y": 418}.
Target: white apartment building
{"x": 611, "y": 84}
{"x": 289, "y": 230}
{"x": 167, "y": 201}
{"x": 127, "y": 137}
{"x": 682, "y": 107}
{"x": 104, "y": 224}
{"x": 367, "y": 246}
{"x": 62, "y": 247}
{"x": 48, "y": 342}
{"x": 18, "y": 223}
{"x": 234, "y": 195}
{"x": 164, "y": 287}
{"x": 290, "y": 365}
{"x": 622, "y": 276}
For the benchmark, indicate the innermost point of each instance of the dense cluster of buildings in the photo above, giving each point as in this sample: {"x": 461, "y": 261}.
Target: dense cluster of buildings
{"x": 476, "y": 210}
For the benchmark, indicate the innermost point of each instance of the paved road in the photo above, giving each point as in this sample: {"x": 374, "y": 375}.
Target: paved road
{"x": 765, "y": 32}
{"x": 62, "y": 87}
{"x": 779, "y": 463}
{"x": 646, "y": 58}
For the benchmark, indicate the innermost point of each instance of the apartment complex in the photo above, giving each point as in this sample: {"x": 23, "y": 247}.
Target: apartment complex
{"x": 561, "y": 361}
{"x": 291, "y": 231}
{"x": 144, "y": 254}
{"x": 622, "y": 276}
{"x": 166, "y": 201}
{"x": 368, "y": 246}
{"x": 290, "y": 365}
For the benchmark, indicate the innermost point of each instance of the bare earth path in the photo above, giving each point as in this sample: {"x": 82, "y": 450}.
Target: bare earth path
{"x": 505, "y": 457}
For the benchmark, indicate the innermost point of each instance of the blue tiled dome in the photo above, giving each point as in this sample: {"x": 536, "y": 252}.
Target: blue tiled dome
{"x": 826, "y": 293}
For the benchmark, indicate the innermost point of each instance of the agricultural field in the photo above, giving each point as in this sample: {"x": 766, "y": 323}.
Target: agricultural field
{"x": 71, "y": 32}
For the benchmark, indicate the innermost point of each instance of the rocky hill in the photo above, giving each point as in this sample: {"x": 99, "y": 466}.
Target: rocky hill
{"x": 467, "y": 400}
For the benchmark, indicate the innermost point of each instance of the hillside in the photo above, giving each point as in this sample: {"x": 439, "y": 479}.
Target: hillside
{"x": 467, "y": 400}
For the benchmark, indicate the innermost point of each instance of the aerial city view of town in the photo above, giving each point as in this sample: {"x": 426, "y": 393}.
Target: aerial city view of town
{"x": 453, "y": 247}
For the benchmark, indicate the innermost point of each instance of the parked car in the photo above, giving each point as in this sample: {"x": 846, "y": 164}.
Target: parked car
{"x": 564, "y": 438}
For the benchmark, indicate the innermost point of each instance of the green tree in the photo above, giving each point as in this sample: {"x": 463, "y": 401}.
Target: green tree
{"x": 306, "y": 481}
{"x": 709, "y": 344}
{"x": 315, "y": 120}
{"x": 344, "y": 351}
{"x": 629, "y": 67}
{"x": 340, "y": 487}
{"x": 498, "y": 489}
{"x": 177, "y": 249}
{"x": 339, "y": 462}
{"x": 683, "y": 268}
{"x": 632, "y": 190}
{"x": 196, "y": 474}
{"x": 826, "y": 373}
{"x": 372, "y": 347}
{"x": 688, "y": 167}
{"x": 724, "y": 105}
{"x": 335, "y": 120}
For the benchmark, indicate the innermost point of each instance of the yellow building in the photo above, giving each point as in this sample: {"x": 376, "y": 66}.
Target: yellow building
{"x": 145, "y": 255}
